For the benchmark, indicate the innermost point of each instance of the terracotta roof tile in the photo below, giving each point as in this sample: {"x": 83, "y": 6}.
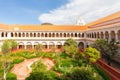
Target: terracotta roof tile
{"x": 3, "y": 27}
{"x": 48, "y": 27}
{"x": 104, "y": 19}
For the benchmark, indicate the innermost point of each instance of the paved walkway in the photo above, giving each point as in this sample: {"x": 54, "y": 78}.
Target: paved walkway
{"x": 22, "y": 69}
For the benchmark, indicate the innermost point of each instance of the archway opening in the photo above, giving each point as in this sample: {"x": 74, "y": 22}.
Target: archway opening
{"x": 51, "y": 45}
{"x": 21, "y": 45}
{"x": 57, "y": 35}
{"x": 31, "y": 35}
{"x": 106, "y": 35}
{"x": 27, "y": 35}
{"x": 44, "y": 45}
{"x": 59, "y": 45}
{"x": 68, "y": 35}
{"x": 102, "y": 35}
{"x": 45, "y": 34}
{"x": 29, "y": 45}
{"x": 81, "y": 46}
{"x": 98, "y": 36}
{"x": 82, "y": 34}
{"x": 60, "y": 34}
{"x": 2, "y": 35}
{"x": 11, "y": 34}
{"x": 23, "y": 35}
{"x": 64, "y": 34}
{"x": 42, "y": 35}
{"x": 38, "y": 35}
{"x": 49, "y": 34}
{"x": 112, "y": 35}
{"x": 75, "y": 34}
{"x": 94, "y": 35}
{"x": 119, "y": 35}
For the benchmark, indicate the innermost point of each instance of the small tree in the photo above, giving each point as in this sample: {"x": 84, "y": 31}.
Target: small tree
{"x": 70, "y": 47}
{"x": 92, "y": 54}
{"x": 7, "y": 46}
{"x": 14, "y": 44}
{"x": 38, "y": 47}
{"x": 70, "y": 41}
{"x": 5, "y": 49}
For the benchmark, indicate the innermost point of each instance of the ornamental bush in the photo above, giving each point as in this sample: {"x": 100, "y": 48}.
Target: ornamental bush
{"x": 11, "y": 76}
{"x": 18, "y": 60}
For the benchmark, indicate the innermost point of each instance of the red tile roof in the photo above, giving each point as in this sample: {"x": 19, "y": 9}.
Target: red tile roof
{"x": 104, "y": 19}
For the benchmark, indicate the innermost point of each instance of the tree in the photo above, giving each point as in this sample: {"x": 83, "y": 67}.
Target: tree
{"x": 38, "y": 47}
{"x": 70, "y": 41}
{"x": 7, "y": 46}
{"x": 14, "y": 44}
{"x": 112, "y": 50}
{"x": 101, "y": 45}
{"x": 70, "y": 47}
{"x": 92, "y": 54}
{"x": 107, "y": 48}
{"x": 37, "y": 76}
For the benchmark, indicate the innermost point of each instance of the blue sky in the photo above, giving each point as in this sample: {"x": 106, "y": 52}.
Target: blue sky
{"x": 26, "y": 11}
{"x": 55, "y": 11}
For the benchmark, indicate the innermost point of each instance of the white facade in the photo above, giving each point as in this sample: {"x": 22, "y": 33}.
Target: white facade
{"x": 29, "y": 38}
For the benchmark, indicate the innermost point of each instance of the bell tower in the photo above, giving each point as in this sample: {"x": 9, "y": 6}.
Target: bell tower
{"x": 80, "y": 22}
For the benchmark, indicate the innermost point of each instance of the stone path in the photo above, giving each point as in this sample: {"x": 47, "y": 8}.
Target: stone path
{"x": 49, "y": 63}
{"x": 22, "y": 70}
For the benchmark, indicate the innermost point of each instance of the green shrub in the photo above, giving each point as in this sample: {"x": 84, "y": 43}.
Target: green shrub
{"x": 12, "y": 54}
{"x": 20, "y": 53}
{"x": 51, "y": 75}
{"x": 65, "y": 65}
{"x": 11, "y": 76}
{"x": 101, "y": 72}
{"x": 38, "y": 54}
{"x": 63, "y": 55}
{"x": 79, "y": 74}
{"x": 1, "y": 73}
{"x": 11, "y": 66}
{"x": 27, "y": 54}
{"x": 18, "y": 60}
{"x": 37, "y": 76}
{"x": 38, "y": 66}
{"x": 48, "y": 75}
{"x": 49, "y": 55}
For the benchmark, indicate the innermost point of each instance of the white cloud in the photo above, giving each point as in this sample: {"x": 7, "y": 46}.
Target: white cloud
{"x": 89, "y": 10}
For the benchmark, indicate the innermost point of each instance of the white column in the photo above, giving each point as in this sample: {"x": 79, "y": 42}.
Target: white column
{"x": 8, "y": 35}
{"x": 116, "y": 36}
{"x": 109, "y": 36}
{"x": 0, "y": 34}
{"x": 25, "y": 46}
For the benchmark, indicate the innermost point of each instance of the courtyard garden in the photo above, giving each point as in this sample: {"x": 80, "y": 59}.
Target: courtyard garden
{"x": 69, "y": 64}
